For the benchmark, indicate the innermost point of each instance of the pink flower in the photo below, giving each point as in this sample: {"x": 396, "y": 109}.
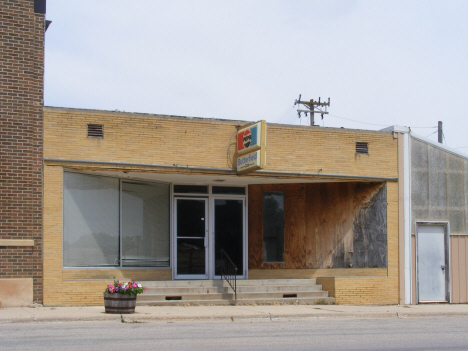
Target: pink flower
{"x": 111, "y": 288}
{"x": 134, "y": 285}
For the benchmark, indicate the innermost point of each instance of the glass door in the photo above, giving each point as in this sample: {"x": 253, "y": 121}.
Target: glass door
{"x": 191, "y": 228}
{"x": 229, "y": 233}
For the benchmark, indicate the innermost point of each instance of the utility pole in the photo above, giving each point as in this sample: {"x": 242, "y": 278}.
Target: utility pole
{"x": 440, "y": 132}
{"x": 313, "y": 107}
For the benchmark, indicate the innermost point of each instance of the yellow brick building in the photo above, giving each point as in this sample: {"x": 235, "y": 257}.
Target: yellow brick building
{"x": 151, "y": 197}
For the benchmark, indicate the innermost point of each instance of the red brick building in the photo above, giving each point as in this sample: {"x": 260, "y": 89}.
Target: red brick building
{"x": 22, "y": 24}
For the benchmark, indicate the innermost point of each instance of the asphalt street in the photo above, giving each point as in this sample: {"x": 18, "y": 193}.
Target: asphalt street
{"x": 441, "y": 333}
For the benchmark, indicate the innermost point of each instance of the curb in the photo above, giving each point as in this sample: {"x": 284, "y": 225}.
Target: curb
{"x": 264, "y": 317}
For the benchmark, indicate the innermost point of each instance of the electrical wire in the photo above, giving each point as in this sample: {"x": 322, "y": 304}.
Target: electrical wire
{"x": 372, "y": 124}
{"x": 431, "y": 133}
{"x": 286, "y": 114}
{"x": 423, "y": 127}
{"x": 352, "y": 120}
{"x": 349, "y": 119}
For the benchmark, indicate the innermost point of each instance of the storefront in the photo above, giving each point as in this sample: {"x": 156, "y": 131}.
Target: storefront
{"x": 149, "y": 197}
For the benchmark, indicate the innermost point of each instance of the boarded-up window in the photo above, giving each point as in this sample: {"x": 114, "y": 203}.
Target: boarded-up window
{"x": 273, "y": 226}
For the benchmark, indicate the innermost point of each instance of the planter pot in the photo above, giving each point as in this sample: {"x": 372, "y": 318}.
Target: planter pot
{"x": 119, "y": 303}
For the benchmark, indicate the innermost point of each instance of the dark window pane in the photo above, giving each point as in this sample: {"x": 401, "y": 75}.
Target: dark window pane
{"x": 191, "y": 256}
{"x": 230, "y": 190}
{"x": 191, "y": 189}
{"x": 191, "y": 218}
{"x": 273, "y": 226}
{"x": 229, "y": 233}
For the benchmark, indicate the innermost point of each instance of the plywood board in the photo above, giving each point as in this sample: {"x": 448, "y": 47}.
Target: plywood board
{"x": 294, "y": 227}
{"x": 327, "y": 225}
{"x": 255, "y": 226}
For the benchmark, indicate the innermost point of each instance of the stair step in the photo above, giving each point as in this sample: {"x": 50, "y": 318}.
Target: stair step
{"x": 219, "y": 302}
{"x": 225, "y": 289}
{"x": 218, "y": 292}
{"x": 230, "y": 296}
{"x": 219, "y": 282}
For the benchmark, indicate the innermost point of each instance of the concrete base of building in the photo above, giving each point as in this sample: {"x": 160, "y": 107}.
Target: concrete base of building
{"x": 16, "y": 292}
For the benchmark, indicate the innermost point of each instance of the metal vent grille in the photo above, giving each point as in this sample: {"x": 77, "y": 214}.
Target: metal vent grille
{"x": 362, "y": 148}
{"x": 95, "y": 131}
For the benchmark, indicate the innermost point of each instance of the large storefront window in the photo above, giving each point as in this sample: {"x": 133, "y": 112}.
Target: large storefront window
{"x": 145, "y": 224}
{"x": 273, "y": 226}
{"x": 92, "y": 214}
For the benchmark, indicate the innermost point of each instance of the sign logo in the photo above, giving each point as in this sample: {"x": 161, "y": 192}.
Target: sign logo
{"x": 251, "y": 142}
{"x": 246, "y": 138}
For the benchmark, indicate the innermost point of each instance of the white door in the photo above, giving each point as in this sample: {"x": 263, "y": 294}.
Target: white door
{"x": 432, "y": 263}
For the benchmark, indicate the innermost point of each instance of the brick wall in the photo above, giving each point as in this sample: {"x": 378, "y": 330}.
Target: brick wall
{"x": 21, "y": 111}
{"x": 156, "y": 139}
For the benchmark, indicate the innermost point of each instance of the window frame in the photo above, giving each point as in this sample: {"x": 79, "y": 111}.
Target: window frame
{"x": 120, "y": 266}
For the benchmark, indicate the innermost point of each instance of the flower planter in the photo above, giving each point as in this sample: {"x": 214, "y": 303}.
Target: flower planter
{"x": 119, "y": 303}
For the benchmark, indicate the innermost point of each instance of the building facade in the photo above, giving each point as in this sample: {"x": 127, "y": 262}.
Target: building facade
{"x": 434, "y": 189}
{"x": 150, "y": 197}
{"x": 21, "y": 103}
{"x": 88, "y": 196}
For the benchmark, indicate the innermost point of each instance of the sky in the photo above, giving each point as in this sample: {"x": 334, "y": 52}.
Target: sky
{"x": 381, "y": 63}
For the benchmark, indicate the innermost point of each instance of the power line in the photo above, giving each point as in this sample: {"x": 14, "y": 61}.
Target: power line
{"x": 373, "y": 124}
{"x": 353, "y": 120}
{"x": 286, "y": 114}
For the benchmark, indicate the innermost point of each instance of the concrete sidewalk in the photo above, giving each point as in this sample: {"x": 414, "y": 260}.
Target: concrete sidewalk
{"x": 227, "y": 313}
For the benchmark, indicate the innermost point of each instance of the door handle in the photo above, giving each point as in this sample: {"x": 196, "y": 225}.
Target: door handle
{"x": 443, "y": 267}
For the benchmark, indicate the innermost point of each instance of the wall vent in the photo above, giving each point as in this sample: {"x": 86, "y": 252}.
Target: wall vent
{"x": 362, "y": 148}
{"x": 95, "y": 131}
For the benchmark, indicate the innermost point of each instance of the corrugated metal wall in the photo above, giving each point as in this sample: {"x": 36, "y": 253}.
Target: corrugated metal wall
{"x": 439, "y": 192}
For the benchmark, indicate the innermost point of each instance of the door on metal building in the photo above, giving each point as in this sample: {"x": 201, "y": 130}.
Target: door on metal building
{"x": 432, "y": 255}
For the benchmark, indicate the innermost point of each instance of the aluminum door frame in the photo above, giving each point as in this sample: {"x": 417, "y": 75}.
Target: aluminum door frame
{"x": 446, "y": 226}
{"x": 207, "y": 258}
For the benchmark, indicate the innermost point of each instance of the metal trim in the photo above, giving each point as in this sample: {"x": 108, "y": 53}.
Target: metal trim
{"x": 234, "y": 172}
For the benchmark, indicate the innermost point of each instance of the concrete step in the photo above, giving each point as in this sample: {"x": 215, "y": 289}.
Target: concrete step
{"x": 219, "y": 282}
{"x": 218, "y": 292}
{"x": 187, "y": 290}
{"x": 220, "y": 302}
{"x": 225, "y": 289}
{"x": 278, "y": 288}
{"x": 230, "y": 296}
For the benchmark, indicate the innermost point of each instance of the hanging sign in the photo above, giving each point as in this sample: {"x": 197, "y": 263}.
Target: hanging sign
{"x": 251, "y": 142}
{"x": 248, "y": 161}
